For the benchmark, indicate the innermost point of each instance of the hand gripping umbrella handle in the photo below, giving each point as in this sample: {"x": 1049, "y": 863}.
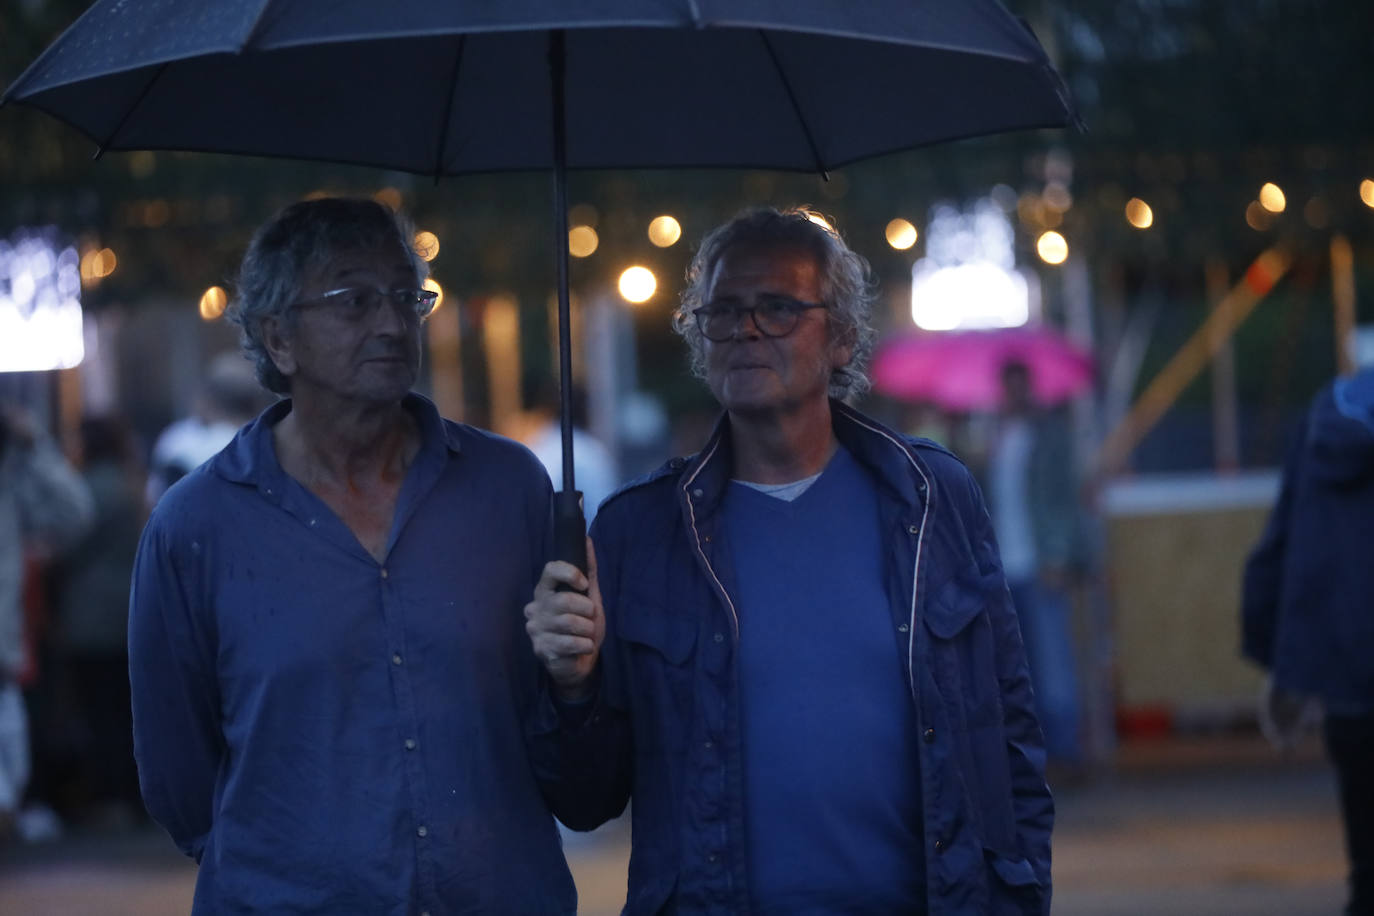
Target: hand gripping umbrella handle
{"x": 569, "y": 530}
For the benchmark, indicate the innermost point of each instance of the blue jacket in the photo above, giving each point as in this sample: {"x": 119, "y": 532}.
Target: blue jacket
{"x": 1306, "y": 607}
{"x": 665, "y": 725}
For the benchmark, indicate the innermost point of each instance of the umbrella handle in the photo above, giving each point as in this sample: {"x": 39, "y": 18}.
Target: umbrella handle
{"x": 569, "y": 530}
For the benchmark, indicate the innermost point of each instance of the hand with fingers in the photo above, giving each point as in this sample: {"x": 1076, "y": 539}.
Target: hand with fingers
{"x": 566, "y": 628}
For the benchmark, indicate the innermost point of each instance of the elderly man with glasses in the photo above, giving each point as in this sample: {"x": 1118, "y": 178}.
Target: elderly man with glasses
{"x": 796, "y": 650}
{"x": 330, "y": 679}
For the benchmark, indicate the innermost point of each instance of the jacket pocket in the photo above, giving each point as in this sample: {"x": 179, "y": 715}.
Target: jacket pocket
{"x": 658, "y": 646}
{"x": 1013, "y": 871}
{"x": 651, "y": 625}
{"x": 963, "y": 653}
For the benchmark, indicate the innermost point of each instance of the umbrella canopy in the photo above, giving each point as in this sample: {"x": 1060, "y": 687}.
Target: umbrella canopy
{"x": 449, "y": 88}
{"x": 962, "y": 370}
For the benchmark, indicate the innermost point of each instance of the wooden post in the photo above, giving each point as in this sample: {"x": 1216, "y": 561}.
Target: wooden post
{"x": 1225, "y": 426}
{"x": 1343, "y": 300}
{"x": 444, "y": 337}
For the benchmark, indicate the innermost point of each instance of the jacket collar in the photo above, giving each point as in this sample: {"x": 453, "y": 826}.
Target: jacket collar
{"x": 887, "y": 455}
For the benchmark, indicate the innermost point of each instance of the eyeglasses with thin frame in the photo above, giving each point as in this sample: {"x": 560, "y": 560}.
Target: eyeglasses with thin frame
{"x": 357, "y": 302}
{"x": 774, "y": 316}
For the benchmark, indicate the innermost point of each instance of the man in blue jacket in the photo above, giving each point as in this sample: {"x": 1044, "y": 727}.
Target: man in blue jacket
{"x": 1306, "y": 610}
{"x": 797, "y": 654}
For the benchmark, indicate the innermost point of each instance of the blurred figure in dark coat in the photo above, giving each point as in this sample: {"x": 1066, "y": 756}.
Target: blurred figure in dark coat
{"x": 1308, "y": 607}
{"x": 91, "y": 594}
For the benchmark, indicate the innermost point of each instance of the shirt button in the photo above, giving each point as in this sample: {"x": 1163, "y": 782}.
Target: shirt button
{"x": 423, "y": 831}
{"x": 913, "y": 529}
{"x": 697, "y": 493}
{"x": 720, "y": 637}
{"x": 901, "y": 628}
{"x": 930, "y": 736}
{"x": 312, "y": 522}
{"x": 711, "y": 858}
{"x": 410, "y": 744}
{"x": 385, "y": 574}
{"x": 706, "y": 744}
{"x": 396, "y": 659}
{"x": 939, "y": 845}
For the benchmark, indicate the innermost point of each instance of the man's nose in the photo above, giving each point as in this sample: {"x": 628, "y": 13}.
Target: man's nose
{"x": 747, "y": 325}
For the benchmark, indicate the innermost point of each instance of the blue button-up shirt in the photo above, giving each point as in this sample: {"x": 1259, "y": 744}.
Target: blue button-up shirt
{"x": 325, "y": 733}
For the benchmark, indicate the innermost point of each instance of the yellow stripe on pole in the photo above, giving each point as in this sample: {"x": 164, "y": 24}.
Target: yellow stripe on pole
{"x": 1343, "y": 299}
{"x": 1191, "y": 359}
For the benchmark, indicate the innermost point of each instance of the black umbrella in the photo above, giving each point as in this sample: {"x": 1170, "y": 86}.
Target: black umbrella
{"x": 444, "y": 88}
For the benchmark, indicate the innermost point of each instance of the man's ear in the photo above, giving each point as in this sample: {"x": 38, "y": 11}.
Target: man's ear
{"x": 279, "y": 346}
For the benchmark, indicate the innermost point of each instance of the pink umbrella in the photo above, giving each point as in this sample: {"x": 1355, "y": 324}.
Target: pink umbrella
{"x": 962, "y": 370}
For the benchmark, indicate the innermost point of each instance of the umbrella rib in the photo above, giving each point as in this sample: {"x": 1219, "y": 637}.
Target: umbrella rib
{"x": 129, "y": 111}
{"x": 448, "y": 109}
{"x": 796, "y": 107}
{"x": 253, "y": 30}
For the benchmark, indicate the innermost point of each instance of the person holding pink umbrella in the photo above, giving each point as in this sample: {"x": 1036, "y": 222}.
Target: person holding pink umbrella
{"x": 1032, "y": 495}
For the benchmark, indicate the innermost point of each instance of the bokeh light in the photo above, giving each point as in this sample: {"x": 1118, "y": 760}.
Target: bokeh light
{"x": 96, "y": 265}
{"x": 388, "y": 197}
{"x": 433, "y": 285}
{"x": 212, "y": 303}
{"x": 1139, "y": 214}
{"x": 637, "y": 284}
{"x": 664, "y": 231}
{"x": 1057, "y": 197}
{"x": 582, "y": 241}
{"x": 1367, "y": 192}
{"x": 1271, "y": 198}
{"x": 1257, "y": 217}
{"x": 427, "y": 245}
{"x": 1052, "y": 248}
{"x": 901, "y": 234}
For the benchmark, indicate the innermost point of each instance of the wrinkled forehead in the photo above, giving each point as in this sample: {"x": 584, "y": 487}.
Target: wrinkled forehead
{"x": 757, "y": 268}
{"x": 383, "y": 259}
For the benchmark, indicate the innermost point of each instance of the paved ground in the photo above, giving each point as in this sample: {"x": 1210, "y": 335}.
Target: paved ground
{"x": 1200, "y": 827}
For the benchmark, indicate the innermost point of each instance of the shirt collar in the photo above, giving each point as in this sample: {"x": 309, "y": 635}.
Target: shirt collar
{"x": 251, "y": 457}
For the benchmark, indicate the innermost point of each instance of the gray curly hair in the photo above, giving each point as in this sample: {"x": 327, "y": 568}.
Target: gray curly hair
{"x": 847, "y": 285}
{"x": 289, "y": 246}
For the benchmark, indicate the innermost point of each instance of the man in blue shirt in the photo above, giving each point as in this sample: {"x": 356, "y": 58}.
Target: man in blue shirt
{"x": 330, "y": 682}
{"x": 796, "y": 650}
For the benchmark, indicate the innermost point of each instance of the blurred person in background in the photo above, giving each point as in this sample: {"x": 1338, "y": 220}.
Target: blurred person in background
{"x": 797, "y": 654}
{"x": 329, "y": 675}
{"x": 229, "y": 397}
{"x": 1032, "y": 490}
{"x": 42, "y": 501}
{"x": 1308, "y": 605}
{"x": 90, "y": 592}
{"x": 594, "y": 467}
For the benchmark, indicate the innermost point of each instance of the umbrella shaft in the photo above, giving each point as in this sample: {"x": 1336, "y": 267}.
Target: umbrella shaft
{"x": 560, "y": 229}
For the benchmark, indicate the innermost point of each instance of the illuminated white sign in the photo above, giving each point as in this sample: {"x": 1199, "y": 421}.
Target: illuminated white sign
{"x": 40, "y": 303}
{"x": 969, "y": 278}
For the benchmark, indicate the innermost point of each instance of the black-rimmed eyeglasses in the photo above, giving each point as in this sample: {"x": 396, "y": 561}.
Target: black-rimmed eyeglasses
{"x": 774, "y": 316}
{"x": 358, "y": 302}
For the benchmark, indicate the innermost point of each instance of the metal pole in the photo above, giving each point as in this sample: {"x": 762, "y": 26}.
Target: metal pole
{"x": 570, "y": 525}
